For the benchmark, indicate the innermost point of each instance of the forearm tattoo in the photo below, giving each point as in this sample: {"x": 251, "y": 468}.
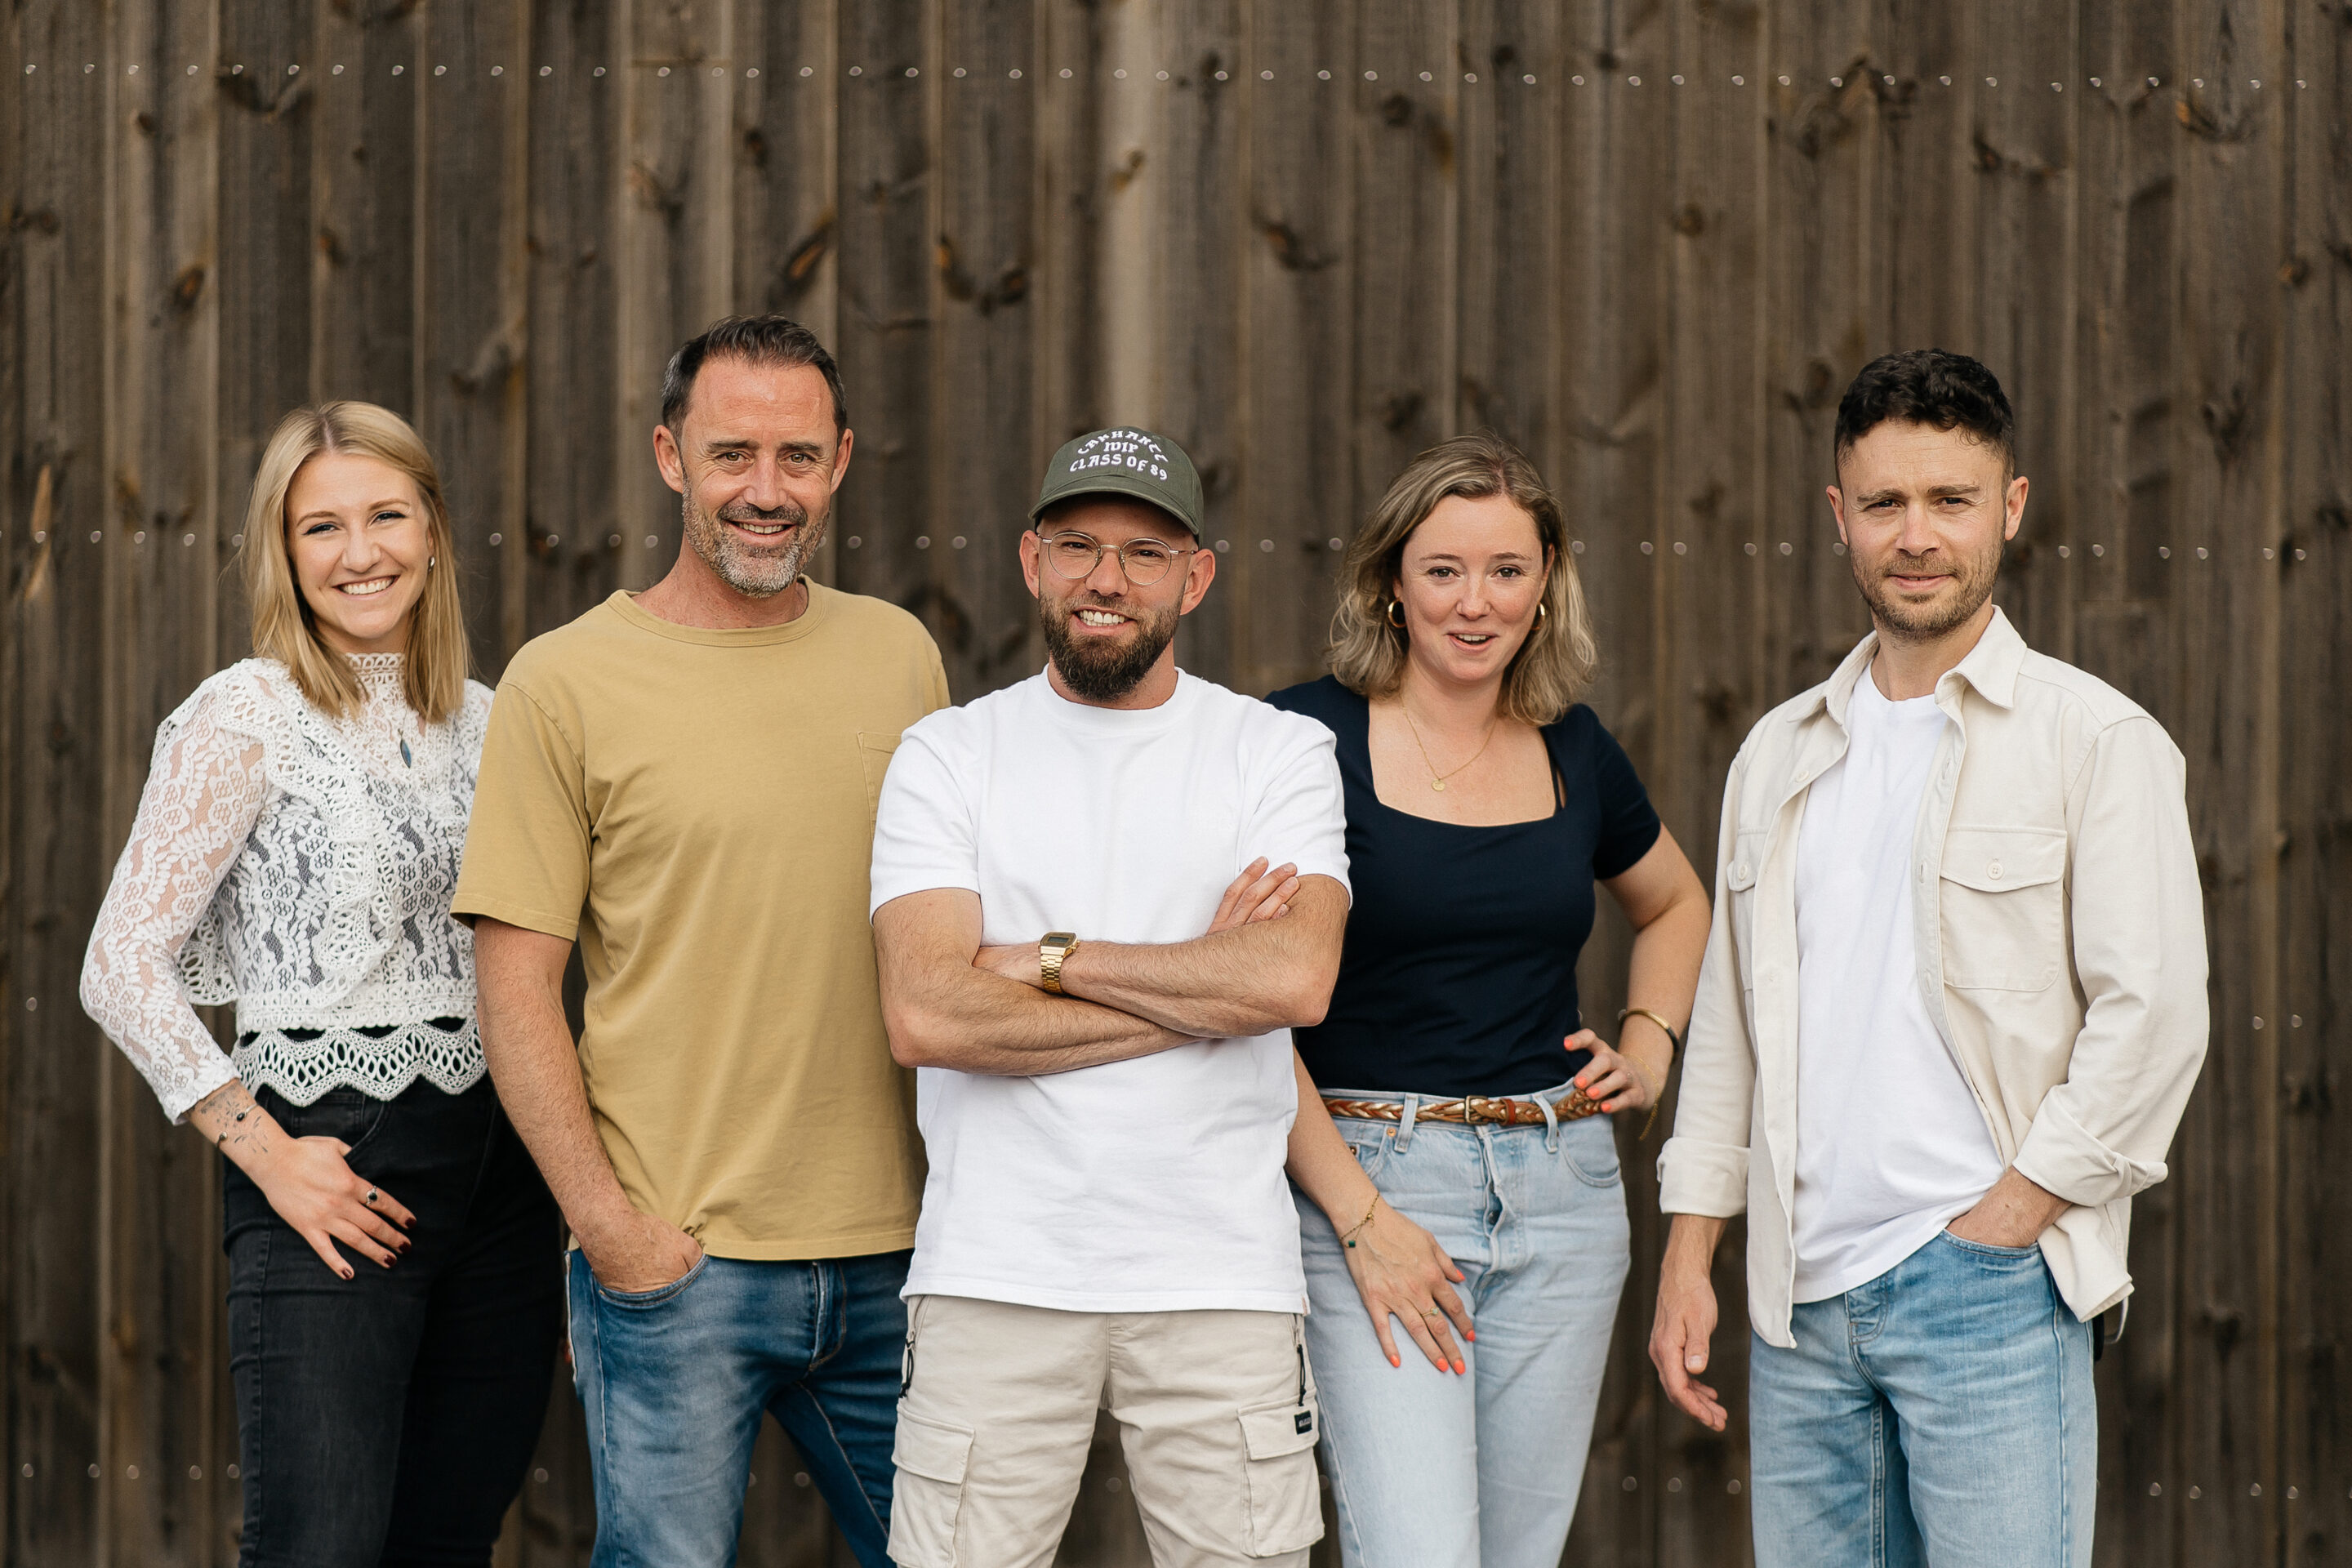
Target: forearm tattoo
{"x": 234, "y": 1120}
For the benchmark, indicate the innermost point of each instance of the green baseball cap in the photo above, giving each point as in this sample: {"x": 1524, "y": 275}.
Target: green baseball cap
{"x": 1126, "y": 462}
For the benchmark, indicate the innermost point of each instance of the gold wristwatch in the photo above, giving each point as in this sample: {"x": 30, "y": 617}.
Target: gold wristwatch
{"x": 1052, "y": 950}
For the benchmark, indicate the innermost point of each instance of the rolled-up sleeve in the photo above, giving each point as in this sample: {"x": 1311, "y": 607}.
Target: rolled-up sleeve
{"x": 1703, "y": 1169}
{"x": 2139, "y": 931}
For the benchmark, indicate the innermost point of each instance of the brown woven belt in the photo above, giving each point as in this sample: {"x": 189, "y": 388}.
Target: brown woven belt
{"x": 1473, "y": 1111}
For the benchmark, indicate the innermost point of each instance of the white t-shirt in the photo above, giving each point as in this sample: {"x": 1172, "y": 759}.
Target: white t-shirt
{"x": 1152, "y": 1185}
{"x": 1891, "y": 1144}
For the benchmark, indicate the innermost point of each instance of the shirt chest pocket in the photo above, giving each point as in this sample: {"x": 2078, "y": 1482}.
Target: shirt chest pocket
{"x": 2004, "y": 908}
{"x": 874, "y": 753}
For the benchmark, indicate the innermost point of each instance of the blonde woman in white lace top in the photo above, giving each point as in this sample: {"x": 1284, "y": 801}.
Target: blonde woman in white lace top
{"x": 394, "y": 1293}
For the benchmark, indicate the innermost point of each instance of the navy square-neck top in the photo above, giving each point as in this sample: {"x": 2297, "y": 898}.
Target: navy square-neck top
{"x": 1458, "y": 975}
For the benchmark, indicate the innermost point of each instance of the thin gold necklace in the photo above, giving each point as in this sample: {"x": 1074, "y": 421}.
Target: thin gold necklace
{"x": 1437, "y": 779}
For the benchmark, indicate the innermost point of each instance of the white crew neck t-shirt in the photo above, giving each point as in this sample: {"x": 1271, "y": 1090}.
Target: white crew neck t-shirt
{"x": 1891, "y": 1145}
{"x": 1152, "y": 1185}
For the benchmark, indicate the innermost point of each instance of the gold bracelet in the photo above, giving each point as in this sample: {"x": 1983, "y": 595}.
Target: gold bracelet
{"x": 1351, "y": 1238}
{"x": 1657, "y": 1018}
{"x": 1658, "y": 1091}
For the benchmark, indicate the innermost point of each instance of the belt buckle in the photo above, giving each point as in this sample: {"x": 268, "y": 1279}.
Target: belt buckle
{"x": 1477, "y": 1108}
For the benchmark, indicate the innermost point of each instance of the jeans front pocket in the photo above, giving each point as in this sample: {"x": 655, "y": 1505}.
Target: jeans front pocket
{"x": 1370, "y": 1143}
{"x": 928, "y": 1496}
{"x": 1286, "y": 1502}
{"x": 1590, "y": 1147}
{"x": 2030, "y": 1251}
{"x": 660, "y": 1295}
{"x": 348, "y": 1115}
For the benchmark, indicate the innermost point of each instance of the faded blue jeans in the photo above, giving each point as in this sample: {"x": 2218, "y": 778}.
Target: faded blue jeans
{"x": 673, "y": 1382}
{"x": 1428, "y": 1470}
{"x": 1941, "y": 1413}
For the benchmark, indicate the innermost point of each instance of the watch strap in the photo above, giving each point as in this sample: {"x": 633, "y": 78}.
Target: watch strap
{"x": 1055, "y": 948}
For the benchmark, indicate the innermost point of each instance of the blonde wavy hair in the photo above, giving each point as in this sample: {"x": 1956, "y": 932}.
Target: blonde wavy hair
{"x": 1552, "y": 668}
{"x": 433, "y": 676}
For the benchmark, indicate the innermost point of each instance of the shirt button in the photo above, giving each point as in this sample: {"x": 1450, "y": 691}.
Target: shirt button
{"x": 1994, "y": 870}
{"x": 1740, "y": 869}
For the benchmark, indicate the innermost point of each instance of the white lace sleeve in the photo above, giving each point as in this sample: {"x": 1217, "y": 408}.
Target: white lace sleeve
{"x": 203, "y": 794}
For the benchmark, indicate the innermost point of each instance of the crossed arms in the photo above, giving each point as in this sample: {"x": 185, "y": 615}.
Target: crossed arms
{"x": 948, "y": 1000}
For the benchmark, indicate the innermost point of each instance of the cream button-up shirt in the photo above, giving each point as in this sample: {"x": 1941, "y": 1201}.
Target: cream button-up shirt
{"x": 2061, "y": 941}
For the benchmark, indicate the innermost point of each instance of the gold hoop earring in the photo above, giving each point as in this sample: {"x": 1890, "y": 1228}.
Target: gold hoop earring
{"x": 431, "y": 562}
{"x": 1396, "y": 615}
{"x": 1540, "y": 610}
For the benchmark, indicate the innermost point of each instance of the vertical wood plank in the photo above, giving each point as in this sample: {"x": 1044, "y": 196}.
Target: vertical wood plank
{"x": 267, "y": 121}
{"x": 362, "y": 199}
{"x": 982, "y": 477}
{"x": 57, "y": 301}
{"x": 572, "y": 363}
{"x": 2231, "y": 170}
{"x": 1712, "y": 567}
{"x": 1621, "y": 180}
{"x": 1067, "y": 382}
{"x": 163, "y": 1274}
{"x": 1198, "y": 219}
{"x": 886, "y": 336}
{"x": 1298, "y": 478}
{"x": 677, "y": 197}
{"x": 1512, "y": 273}
{"x": 2122, "y": 494}
{"x": 2315, "y": 898}
{"x": 469, "y": 224}
{"x": 2021, "y": 262}
{"x": 787, "y": 172}
{"x": 1406, "y": 94}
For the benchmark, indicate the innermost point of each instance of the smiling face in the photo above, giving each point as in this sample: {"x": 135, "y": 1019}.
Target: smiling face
{"x": 1471, "y": 578}
{"x": 756, "y": 459}
{"x": 359, "y": 542}
{"x": 1106, "y": 635}
{"x": 1923, "y": 513}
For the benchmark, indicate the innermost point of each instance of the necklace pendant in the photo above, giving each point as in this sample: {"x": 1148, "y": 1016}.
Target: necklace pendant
{"x": 406, "y": 760}
{"x": 1437, "y": 784}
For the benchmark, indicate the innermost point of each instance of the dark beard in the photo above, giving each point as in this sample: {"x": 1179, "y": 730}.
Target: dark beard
{"x": 1106, "y": 674}
{"x": 1906, "y": 625}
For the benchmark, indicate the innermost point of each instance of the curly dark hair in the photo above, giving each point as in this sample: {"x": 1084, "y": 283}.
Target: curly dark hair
{"x": 1928, "y": 387}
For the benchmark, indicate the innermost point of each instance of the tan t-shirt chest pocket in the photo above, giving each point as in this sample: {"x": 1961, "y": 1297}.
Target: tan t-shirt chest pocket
{"x": 874, "y": 753}
{"x": 2004, "y": 908}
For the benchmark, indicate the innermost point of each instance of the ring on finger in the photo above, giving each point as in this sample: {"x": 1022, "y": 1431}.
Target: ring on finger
{"x": 372, "y": 1196}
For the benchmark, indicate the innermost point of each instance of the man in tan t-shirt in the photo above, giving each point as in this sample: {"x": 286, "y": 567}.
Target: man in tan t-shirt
{"x": 684, "y": 781}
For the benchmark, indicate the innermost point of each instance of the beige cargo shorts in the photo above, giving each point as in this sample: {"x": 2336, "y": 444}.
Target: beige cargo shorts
{"x": 1216, "y": 1412}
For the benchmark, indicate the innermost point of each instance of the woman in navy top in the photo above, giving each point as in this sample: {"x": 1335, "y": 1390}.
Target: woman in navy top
{"x": 1466, "y": 1180}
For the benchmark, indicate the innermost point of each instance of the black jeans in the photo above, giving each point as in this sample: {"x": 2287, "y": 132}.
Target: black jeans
{"x": 388, "y": 1418}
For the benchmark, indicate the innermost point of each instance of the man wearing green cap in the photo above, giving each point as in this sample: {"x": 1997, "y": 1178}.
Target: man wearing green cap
{"x": 1085, "y": 954}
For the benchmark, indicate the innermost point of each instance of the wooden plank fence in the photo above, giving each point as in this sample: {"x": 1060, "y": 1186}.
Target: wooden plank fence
{"x": 1648, "y": 239}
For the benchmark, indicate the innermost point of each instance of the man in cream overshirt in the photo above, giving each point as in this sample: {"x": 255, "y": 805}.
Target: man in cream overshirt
{"x": 1951, "y": 1010}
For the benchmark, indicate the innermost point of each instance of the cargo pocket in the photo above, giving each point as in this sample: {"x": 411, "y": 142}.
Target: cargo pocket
{"x": 928, "y": 1494}
{"x": 1285, "y": 1506}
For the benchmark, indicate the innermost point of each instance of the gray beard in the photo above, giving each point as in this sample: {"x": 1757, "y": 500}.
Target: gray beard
{"x": 755, "y": 574}
{"x": 1103, "y": 675}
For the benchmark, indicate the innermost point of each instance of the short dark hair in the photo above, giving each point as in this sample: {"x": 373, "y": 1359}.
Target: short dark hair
{"x": 1927, "y": 386}
{"x": 775, "y": 340}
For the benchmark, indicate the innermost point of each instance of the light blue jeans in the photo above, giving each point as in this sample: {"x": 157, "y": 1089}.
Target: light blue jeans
{"x": 1942, "y": 1413}
{"x": 1431, "y": 1470}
